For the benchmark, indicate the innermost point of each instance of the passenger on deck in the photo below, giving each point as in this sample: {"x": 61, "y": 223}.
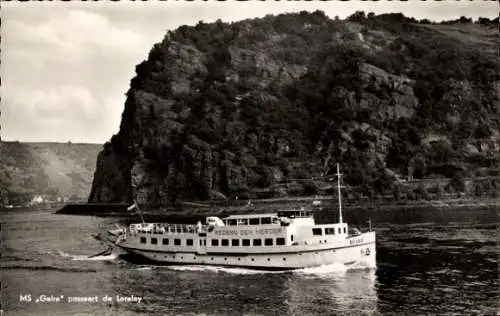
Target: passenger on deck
{"x": 198, "y": 227}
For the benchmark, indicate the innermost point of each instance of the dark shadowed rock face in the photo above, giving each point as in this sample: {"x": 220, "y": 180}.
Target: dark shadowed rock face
{"x": 111, "y": 183}
{"x": 224, "y": 110}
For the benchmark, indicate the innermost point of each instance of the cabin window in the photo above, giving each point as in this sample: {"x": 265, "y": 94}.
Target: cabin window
{"x": 254, "y": 221}
{"x": 231, "y": 222}
{"x": 345, "y": 230}
{"x": 340, "y": 230}
{"x": 215, "y": 242}
{"x": 154, "y": 241}
{"x": 243, "y": 221}
{"x": 317, "y": 231}
{"x": 225, "y": 242}
{"x": 143, "y": 240}
{"x": 189, "y": 242}
{"x": 245, "y": 242}
{"x": 329, "y": 231}
{"x": 235, "y": 242}
{"x": 265, "y": 220}
{"x": 257, "y": 242}
{"x": 164, "y": 241}
{"x": 268, "y": 242}
{"x": 280, "y": 241}
{"x": 291, "y": 237}
{"x": 274, "y": 220}
{"x": 177, "y": 242}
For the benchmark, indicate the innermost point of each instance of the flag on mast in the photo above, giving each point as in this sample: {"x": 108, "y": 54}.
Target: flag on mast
{"x": 135, "y": 206}
{"x": 131, "y": 207}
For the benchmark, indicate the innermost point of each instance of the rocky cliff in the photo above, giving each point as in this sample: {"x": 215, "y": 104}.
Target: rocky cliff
{"x": 227, "y": 110}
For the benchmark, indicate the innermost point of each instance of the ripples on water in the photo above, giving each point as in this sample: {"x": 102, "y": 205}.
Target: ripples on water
{"x": 422, "y": 269}
{"x": 439, "y": 269}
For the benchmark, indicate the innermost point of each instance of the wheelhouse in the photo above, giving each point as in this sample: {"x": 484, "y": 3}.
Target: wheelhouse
{"x": 302, "y": 213}
{"x": 250, "y": 220}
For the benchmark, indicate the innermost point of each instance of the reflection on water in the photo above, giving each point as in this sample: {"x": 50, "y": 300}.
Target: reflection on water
{"x": 344, "y": 292}
{"x": 445, "y": 264}
{"x": 226, "y": 291}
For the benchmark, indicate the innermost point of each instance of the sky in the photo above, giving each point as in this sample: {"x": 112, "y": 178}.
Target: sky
{"x": 66, "y": 66}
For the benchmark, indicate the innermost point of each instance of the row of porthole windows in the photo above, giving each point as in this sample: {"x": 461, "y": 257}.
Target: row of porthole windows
{"x": 225, "y": 259}
{"x": 328, "y": 231}
{"x": 166, "y": 241}
{"x": 221, "y": 242}
{"x": 247, "y": 242}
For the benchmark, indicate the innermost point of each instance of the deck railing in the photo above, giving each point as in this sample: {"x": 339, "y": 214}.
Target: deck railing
{"x": 162, "y": 228}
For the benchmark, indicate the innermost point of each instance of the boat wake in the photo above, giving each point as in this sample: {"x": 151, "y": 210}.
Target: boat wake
{"x": 144, "y": 268}
{"x": 218, "y": 269}
{"x": 324, "y": 269}
{"x": 102, "y": 256}
{"x": 336, "y": 268}
{"x": 35, "y": 267}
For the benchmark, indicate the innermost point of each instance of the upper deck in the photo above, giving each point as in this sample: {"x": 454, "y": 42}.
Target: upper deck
{"x": 242, "y": 222}
{"x": 266, "y": 219}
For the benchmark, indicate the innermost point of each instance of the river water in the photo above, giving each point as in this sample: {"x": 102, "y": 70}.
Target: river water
{"x": 443, "y": 263}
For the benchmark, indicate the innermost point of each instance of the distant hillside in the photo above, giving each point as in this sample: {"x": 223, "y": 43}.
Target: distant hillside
{"x": 261, "y": 106}
{"x": 51, "y": 169}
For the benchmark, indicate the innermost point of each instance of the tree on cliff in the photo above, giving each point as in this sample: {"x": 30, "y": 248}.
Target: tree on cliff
{"x": 218, "y": 109}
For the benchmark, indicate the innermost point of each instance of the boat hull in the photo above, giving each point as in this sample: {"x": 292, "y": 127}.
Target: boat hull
{"x": 362, "y": 254}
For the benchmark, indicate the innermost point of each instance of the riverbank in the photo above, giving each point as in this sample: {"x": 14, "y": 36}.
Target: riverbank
{"x": 193, "y": 211}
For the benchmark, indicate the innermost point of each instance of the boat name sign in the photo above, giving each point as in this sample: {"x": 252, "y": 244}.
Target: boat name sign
{"x": 246, "y": 232}
{"x": 356, "y": 241}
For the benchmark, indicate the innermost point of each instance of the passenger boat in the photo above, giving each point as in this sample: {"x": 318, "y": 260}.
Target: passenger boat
{"x": 287, "y": 239}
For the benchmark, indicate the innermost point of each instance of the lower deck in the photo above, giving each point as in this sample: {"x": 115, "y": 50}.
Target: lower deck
{"x": 288, "y": 257}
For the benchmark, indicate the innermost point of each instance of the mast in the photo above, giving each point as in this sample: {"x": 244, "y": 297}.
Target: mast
{"x": 136, "y": 205}
{"x": 140, "y": 212}
{"x": 339, "y": 193}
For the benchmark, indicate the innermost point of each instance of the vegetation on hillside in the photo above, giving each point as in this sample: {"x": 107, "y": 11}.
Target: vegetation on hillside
{"x": 50, "y": 170}
{"x": 226, "y": 110}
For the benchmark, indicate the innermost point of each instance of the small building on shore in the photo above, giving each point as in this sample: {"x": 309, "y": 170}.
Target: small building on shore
{"x": 37, "y": 199}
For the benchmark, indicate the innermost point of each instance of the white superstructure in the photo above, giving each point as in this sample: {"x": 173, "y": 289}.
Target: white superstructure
{"x": 287, "y": 239}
